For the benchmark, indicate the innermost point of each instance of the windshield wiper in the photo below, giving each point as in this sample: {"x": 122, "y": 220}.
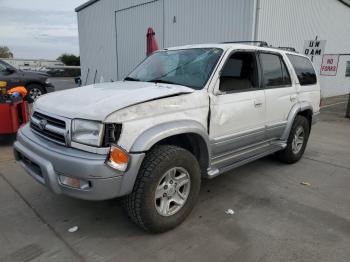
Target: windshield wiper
{"x": 128, "y": 78}
{"x": 162, "y": 81}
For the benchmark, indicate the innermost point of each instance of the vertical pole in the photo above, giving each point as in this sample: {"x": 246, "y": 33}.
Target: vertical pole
{"x": 312, "y": 57}
{"x": 347, "y": 115}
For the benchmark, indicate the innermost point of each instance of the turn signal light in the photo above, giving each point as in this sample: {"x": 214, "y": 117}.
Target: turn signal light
{"x": 118, "y": 158}
{"x": 74, "y": 182}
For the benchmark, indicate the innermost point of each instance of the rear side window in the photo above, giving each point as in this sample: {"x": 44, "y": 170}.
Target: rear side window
{"x": 275, "y": 73}
{"x": 304, "y": 70}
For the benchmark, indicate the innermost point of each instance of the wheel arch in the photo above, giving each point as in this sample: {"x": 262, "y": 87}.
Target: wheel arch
{"x": 33, "y": 82}
{"x": 188, "y": 134}
{"x": 304, "y": 109}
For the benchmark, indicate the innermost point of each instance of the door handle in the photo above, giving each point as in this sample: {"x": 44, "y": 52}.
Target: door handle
{"x": 257, "y": 103}
{"x": 293, "y": 98}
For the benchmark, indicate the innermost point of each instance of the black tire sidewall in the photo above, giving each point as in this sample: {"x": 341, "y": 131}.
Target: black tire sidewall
{"x": 178, "y": 158}
{"x": 303, "y": 122}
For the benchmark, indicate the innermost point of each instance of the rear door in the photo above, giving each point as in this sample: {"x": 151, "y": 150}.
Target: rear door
{"x": 308, "y": 89}
{"x": 280, "y": 92}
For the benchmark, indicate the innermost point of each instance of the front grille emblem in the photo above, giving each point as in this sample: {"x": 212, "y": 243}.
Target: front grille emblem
{"x": 42, "y": 124}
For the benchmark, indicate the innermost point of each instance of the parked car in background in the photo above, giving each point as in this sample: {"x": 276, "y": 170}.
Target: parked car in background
{"x": 184, "y": 114}
{"x": 36, "y": 83}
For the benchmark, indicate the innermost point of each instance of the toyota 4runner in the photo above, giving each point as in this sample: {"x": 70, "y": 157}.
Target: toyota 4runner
{"x": 183, "y": 114}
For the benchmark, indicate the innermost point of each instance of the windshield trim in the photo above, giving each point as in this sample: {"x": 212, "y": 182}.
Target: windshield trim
{"x": 210, "y": 74}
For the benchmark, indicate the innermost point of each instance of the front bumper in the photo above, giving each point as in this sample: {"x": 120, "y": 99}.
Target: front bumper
{"x": 45, "y": 161}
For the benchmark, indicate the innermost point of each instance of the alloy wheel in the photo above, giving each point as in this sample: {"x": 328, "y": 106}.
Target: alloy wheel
{"x": 172, "y": 191}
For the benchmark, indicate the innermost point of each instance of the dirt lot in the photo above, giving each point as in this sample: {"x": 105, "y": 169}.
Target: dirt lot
{"x": 276, "y": 217}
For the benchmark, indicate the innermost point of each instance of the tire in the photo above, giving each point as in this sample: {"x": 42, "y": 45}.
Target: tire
{"x": 34, "y": 91}
{"x": 144, "y": 208}
{"x": 293, "y": 152}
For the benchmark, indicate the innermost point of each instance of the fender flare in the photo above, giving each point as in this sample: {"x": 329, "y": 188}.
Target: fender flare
{"x": 159, "y": 132}
{"x": 297, "y": 108}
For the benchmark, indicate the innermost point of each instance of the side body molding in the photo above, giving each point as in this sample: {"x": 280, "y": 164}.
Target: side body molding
{"x": 156, "y": 133}
{"x": 299, "y": 107}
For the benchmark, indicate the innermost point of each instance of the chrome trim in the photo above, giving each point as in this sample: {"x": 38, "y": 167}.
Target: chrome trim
{"x": 231, "y": 143}
{"x": 272, "y": 148}
{"x": 49, "y": 127}
{"x": 60, "y": 131}
{"x": 240, "y": 135}
{"x": 91, "y": 149}
{"x": 47, "y": 138}
{"x": 277, "y": 125}
{"x": 240, "y": 152}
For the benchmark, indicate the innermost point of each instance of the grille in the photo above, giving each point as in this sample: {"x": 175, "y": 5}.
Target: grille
{"x": 50, "y": 120}
{"x": 49, "y": 127}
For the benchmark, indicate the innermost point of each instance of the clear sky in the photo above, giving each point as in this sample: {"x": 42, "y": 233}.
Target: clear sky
{"x": 39, "y": 28}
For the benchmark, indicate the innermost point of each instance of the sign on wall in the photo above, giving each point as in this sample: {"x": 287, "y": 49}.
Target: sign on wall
{"x": 314, "y": 47}
{"x": 329, "y": 65}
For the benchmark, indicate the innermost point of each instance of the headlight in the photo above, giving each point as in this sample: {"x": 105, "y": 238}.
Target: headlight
{"x": 87, "y": 132}
{"x": 47, "y": 81}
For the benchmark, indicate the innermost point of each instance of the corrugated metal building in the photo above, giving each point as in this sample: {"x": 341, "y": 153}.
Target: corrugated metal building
{"x": 112, "y": 33}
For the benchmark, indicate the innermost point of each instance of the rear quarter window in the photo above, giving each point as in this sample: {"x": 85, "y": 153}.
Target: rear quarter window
{"x": 303, "y": 69}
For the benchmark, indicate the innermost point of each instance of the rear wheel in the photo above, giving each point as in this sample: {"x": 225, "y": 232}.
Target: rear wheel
{"x": 165, "y": 190}
{"x": 297, "y": 141}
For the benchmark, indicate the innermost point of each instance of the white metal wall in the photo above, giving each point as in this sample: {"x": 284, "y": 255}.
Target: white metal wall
{"x": 196, "y": 21}
{"x": 131, "y": 28}
{"x": 97, "y": 42}
{"x": 290, "y": 23}
{"x": 205, "y": 21}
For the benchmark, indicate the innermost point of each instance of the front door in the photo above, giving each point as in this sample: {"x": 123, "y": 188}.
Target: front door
{"x": 237, "y": 119}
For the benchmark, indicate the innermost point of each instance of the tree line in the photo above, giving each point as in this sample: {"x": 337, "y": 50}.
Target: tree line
{"x": 67, "y": 59}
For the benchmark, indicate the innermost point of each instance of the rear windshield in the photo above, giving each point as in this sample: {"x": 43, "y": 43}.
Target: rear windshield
{"x": 304, "y": 69}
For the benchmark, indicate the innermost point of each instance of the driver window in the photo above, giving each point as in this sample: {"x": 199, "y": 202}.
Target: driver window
{"x": 239, "y": 73}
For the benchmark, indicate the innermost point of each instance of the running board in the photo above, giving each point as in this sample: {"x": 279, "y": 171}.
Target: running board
{"x": 214, "y": 172}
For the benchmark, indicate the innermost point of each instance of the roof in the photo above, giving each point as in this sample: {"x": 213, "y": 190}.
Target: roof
{"x": 83, "y": 6}
{"x": 227, "y": 46}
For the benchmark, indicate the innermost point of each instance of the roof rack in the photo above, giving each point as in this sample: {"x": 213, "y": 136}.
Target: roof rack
{"x": 261, "y": 43}
{"x": 287, "y": 48}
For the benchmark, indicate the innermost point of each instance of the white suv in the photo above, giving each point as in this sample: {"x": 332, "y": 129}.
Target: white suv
{"x": 184, "y": 114}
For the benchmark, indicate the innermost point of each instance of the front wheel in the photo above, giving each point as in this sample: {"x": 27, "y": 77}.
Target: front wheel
{"x": 297, "y": 140}
{"x": 34, "y": 91}
{"x": 165, "y": 190}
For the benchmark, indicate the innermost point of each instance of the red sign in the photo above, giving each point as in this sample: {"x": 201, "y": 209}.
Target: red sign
{"x": 329, "y": 65}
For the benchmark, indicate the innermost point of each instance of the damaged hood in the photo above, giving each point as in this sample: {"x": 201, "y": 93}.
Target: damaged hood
{"x": 96, "y": 102}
